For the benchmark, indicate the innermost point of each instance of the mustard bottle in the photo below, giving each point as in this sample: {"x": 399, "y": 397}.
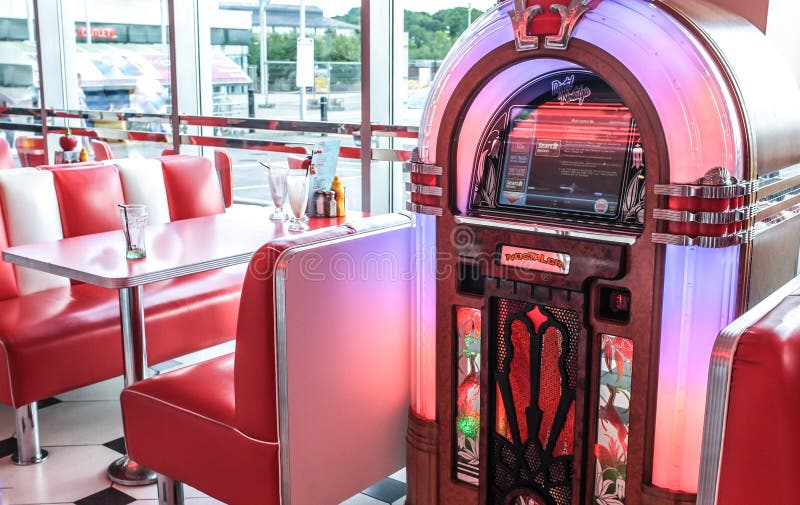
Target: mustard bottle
{"x": 338, "y": 189}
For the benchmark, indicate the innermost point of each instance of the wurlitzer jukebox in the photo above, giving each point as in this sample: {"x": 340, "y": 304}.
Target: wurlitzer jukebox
{"x": 600, "y": 187}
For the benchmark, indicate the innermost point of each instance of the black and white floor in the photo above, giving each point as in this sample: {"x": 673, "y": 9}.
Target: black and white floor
{"x": 82, "y": 431}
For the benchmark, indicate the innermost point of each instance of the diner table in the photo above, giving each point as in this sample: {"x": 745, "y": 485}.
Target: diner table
{"x": 174, "y": 249}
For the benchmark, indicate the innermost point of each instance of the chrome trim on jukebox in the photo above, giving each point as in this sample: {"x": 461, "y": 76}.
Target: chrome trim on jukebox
{"x": 743, "y": 237}
{"x": 421, "y": 189}
{"x": 417, "y": 167}
{"x": 424, "y": 209}
{"x": 547, "y": 230}
{"x": 722, "y": 217}
{"x": 777, "y": 218}
{"x": 770, "y": 208}
{"x": 697, "y": 191}
{"x": 569, "y": 18}
{"x": 779, "y": 181}
{"x": 719, "y": 386}
{"x": 521, "y": 17}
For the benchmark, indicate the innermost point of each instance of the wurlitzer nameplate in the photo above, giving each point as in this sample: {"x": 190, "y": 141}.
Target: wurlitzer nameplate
{"x": 533, "y": 259}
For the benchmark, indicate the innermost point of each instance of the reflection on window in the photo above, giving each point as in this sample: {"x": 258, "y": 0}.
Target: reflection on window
{"x": 122, "y": 57}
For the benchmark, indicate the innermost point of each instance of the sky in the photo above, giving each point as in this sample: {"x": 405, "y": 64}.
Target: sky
{"x": 339, "y": 7}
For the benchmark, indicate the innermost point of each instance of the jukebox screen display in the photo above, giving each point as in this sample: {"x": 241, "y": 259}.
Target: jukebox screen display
{"x": 567, "y": 157}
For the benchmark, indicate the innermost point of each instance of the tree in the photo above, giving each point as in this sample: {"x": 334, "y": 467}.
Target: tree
{"x": 454, "y": 20}
{"x": 353, "y": 16}
{"x": 430, "y": 37}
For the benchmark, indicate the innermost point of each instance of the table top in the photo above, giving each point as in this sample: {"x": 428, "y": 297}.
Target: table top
{"x": 173, "y": 249}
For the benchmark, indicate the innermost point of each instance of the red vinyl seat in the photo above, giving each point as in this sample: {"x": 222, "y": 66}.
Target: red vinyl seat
{"x": 215, "y": 425}
{"x": 101, "y": 150}
{"x": 224, "y": 166}
{"x": 55, "y": 335}
{"x": 193, "y": 189}
{"x": 6, "y": 161}
{"x": 30, "y": 151}
{"x": 751, "y": 441}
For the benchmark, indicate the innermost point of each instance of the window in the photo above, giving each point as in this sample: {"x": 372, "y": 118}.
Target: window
{"x": 239, "y": 86}
{"x": 265, "y": 70}
{"x": 19, "y": 72}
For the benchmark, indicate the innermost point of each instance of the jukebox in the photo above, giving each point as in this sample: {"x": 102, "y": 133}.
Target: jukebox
{"x": 600, "y": 187}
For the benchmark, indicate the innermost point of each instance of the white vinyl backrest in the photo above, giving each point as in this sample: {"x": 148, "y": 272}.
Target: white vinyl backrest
{"x": 30, "y": 206}
{"x": 143, "y": 182}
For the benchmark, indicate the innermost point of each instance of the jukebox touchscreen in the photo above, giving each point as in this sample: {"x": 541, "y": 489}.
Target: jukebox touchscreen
{"x": 569, "y": 146}
{"x": 567, "y": 157}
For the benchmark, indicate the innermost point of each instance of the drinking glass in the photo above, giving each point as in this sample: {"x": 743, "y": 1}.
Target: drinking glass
{"x": 297, "y": 184}
{"x": 277, "y": 187}
{"x": 134, "y": 220}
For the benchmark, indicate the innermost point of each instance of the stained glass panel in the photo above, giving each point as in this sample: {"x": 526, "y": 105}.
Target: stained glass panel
{"x": 611, "y": 449}
{"x": 468, "y": 393}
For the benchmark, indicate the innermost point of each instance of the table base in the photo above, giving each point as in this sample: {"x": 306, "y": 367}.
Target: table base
{"x": 127, "y": 472}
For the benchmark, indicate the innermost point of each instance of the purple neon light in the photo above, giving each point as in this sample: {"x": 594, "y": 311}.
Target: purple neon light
{"x": 700, "y": 289}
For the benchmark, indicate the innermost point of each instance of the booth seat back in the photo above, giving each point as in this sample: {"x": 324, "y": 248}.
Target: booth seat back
{"x": 31, "y": 214}
{"x": 324, "y": 325}
{"x": 8, "y": 281}
{"x": 751, "y": 441}
{"x": 173, "y": 187}
{"x": 193, "y": 188}
{"x": 61, "y": 201}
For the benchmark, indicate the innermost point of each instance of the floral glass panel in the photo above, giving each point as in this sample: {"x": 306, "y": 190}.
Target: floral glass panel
{"x": 611, "y": 450}
{"x": 468, "y": 393}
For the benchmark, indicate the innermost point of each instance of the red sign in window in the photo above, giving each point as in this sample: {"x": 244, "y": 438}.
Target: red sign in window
{"x": 98, "y": 32}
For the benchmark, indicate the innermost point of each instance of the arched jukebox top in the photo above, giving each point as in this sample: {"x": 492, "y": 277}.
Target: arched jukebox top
{"x": 704, "y": 86}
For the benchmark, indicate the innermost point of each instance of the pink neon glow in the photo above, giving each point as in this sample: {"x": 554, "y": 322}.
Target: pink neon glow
{"x": 699, "y": 300}
{"x": 423, "y": 342}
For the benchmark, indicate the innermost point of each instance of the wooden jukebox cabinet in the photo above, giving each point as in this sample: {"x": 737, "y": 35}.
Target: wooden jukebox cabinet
{"x": 600, "y": 187}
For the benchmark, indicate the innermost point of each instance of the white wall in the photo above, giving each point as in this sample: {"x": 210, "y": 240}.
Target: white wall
{"x": 754, "y": 11}
{"x": 779, "y": 19}
{"x": 784, "y": 31}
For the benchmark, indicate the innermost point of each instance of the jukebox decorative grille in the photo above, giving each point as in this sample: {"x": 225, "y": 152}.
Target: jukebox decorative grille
{"x": 534, "y": 380}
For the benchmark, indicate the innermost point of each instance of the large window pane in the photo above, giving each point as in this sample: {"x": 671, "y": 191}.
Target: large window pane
{"x": 19, "y": 71}
{"x": 259, "y": 42}
{"x": 430, "y": 30}
{"x": 121, "y": 59}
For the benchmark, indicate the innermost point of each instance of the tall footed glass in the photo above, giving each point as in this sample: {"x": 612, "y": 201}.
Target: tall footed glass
{"x": 277, "y": 187}
{"x": 297, "y": 184}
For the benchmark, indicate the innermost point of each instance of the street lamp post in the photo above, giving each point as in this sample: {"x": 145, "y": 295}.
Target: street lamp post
{"x": 262, "y": 10}
{"x": 302, "y": 35}
{"x": 88, "y": 23}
